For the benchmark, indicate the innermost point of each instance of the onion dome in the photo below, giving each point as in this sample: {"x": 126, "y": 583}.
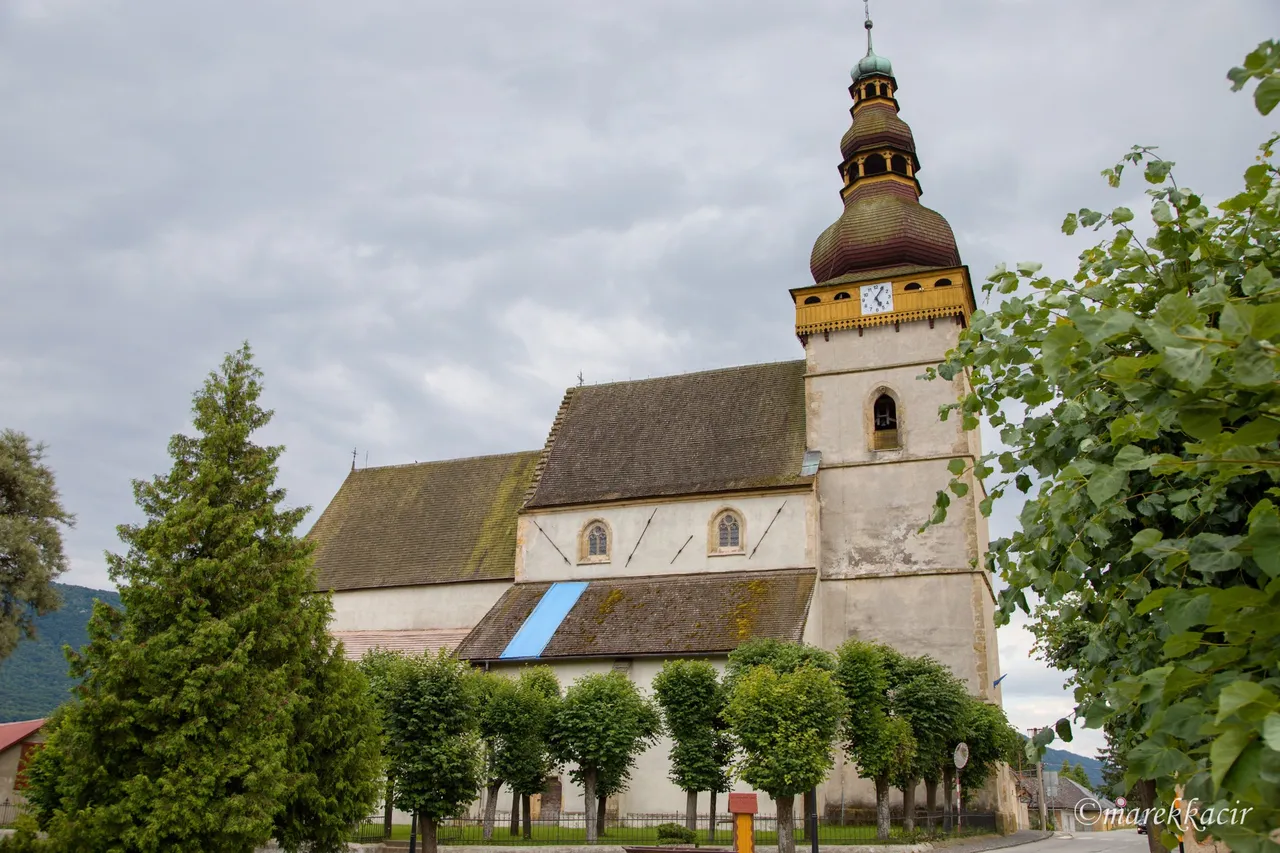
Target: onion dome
{"x": 883, "y": 224}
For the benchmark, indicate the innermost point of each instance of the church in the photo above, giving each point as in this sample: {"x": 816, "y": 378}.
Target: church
{"x": 682, "y": 515}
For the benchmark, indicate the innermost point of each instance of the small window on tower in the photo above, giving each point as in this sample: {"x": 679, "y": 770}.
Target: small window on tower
{"x": 885, "y": 417}
{"x": 812, "y": 300}
{"x": 942, "y": 282}
{"x": 899, "y": 164}
{"x": 594, "y": 547}
{"x": 841, "y": 295}
{"x": 915, "y": 285}
{"x": 875, "y": 165}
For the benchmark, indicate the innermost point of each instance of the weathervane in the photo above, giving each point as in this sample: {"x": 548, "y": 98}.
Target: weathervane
{"x": 866, "y": 5}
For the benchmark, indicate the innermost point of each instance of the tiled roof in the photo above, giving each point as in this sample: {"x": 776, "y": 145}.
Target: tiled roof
{"x": 11, "y": 733}
{"x": 719, "y": 430}
{"x": 668, "y": 615}
{"x": 356, "y": 643}
{"x": 431, "y": 522}
{"x": 883, "y": 225}
{"x": 1063, "y": 793}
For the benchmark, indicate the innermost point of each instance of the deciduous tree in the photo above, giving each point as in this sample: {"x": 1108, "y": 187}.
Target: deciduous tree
{"x": 1148, "y": 453}
{"x": 31, "y": 521}
{"x": 602, "y": 725}
{"x": 692, "y": 699}
{"x": 515, "y": 719}
{"x": 785, "y": 724}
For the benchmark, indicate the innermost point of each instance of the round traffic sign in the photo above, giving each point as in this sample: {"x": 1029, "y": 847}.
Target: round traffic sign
{"x": 961, "y": 755}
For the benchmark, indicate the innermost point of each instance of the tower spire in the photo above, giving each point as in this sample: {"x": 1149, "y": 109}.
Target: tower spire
{"x": 866, "y": 5}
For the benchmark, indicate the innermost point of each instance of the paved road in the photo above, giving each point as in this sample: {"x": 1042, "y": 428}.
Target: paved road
{"x": 1115, "y": 841}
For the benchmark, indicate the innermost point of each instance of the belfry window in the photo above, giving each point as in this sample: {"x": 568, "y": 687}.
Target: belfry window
{"x": 875, "y": 165}
{"x": 842, "y": 295}
{"x": 594, "y": 546}
{"x": 885, "y": 424}
{"x": 726, "y": 533}
{"x": 942, "y": 282}
{"x": 812, "y": 300}
{"x": 899, "y": 164}
{"x": 915, "y": 285}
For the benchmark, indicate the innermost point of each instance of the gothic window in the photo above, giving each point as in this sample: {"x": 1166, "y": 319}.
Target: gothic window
{"x": 884, "y": 434}
{"x": 875, "y": 165}
{"x": 899, "y": 164}
{"x": 812, "y": 300}
{"x": 915, "y": 285}
{"x": 727, "y": 536}
{"x": 841, "y": 295}
{"x": 942, "y": 282}
{"x": 595, "y": 543}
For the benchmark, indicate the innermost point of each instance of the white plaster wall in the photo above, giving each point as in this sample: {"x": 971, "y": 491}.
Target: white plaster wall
{"x": 446, "y": 605}
{"x": 787, "y": 545}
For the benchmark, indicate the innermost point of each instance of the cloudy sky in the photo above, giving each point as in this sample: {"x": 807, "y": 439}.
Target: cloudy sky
{"x": 428, "y": 217}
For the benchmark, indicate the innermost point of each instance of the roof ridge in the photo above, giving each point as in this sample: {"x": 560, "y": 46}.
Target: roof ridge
{"x": 545, "y": 454}
{"x": 693, "y": 373}
{"x": 443, "y": 461}
{"x": 671, "y": 576}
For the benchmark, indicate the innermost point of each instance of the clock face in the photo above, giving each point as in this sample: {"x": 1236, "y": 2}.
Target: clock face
{"x": 877, "y": 298}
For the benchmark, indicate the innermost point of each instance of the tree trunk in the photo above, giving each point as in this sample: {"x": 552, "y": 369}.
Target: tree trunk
{"x": 691, "y": 810}
{"x": 428, "y": 835}
{"x": 491, "y": 810}
{"x": 601, "y": 804}
{"x": 515, "y": 814}
{"x": 807, "y": 808}
{"x": 413, "y": 833}
{"x": 589, "y": 802}
{"x": 711, "y": 835}
{"x": 882, "y": 808}
{"x": 909, "y": 806}
{"x": 931, "y": 795}
{"x": 948, "y": 785}
{"x": 388, "y": 808}
{"x": 786, "y": 809}
{"x": 1146, "y": 789}
{"x": 526, "y": 815}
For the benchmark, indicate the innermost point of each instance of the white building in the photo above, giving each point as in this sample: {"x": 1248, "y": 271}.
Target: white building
{"x": 682, "y": 515}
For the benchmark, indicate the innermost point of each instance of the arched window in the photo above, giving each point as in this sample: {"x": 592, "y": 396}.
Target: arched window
{"x": 812, "y": 300}
{"x": 942, "y": 282}
{"x": 875, "y": 165}
{"x": 884, "y": 434}
{"x": 727, "y": 534}
{"x": 915, "y": 285}
{"x": 594, "y": 547}
{"x": 899, "y": 164}
{"x": 841, "y": 295}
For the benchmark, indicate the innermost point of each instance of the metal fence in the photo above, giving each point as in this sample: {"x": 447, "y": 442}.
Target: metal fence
{"x": 9, "y": 813}
{"x": 642, "y": 829}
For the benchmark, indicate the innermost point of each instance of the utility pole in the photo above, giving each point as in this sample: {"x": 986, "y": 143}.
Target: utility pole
{"x": 1044, "y": 824}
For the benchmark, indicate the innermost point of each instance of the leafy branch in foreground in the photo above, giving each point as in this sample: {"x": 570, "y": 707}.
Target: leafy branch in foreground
{"x": 1149, "y": 391}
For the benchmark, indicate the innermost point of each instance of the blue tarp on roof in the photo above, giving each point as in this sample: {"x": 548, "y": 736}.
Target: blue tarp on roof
{"x": 546, "y": 617}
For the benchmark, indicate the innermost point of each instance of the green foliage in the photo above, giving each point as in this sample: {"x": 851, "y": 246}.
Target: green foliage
{"x": 1262, "y": 65}
{"x": 433, "y": 742}
{"x": 934, "y": 703}
{"x": 991, "y": 740}
{"x": 1075, "y": 773}
{"x": 34, "y": 679}
{"x": 602, "y": 725}
{"x": 692, "y": 699}
{"x": 515, "y": 717}
{"x": 1149, "y": 453}
{"x": 779, "y": 656}
{"x": 874, "y": 741}
{"x": 31, "y": 555}
{"x": 674, "y": 833}
{"x": 214, "y": 706}
{"x": 784, "y": 724}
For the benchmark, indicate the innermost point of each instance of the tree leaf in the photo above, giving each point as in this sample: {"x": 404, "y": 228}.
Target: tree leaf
{"x": 1131, "y": 458}
{"x": 1240, "y": 694}
{"x": 1182, "y": 644}
{"x": 1225, "y": 750}
{"x": 1105, "y": 483}
{"x": 1256, "y": 280}
{"x": 1188, "y": 364}
{"x": 1271, "y": 731}
{"x": 956, "y": 467}
{"x": 1063, "y": 728}
{"x": 1267, "y": 95}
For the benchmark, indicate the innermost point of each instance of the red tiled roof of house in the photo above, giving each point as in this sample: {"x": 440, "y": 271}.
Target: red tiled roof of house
{"x": 11, "y": 733}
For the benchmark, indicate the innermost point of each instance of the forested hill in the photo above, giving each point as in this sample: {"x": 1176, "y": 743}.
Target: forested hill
{"x": 34, "y": 680}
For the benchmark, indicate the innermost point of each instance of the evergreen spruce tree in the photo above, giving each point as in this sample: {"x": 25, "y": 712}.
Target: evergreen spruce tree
{"x": 214, "y": 712}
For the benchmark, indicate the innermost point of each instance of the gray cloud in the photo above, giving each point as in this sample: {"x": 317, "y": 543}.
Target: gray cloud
{"x": 428, "y": 217}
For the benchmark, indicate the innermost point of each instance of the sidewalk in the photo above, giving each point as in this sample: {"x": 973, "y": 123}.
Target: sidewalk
{"x": 994, "y": 842}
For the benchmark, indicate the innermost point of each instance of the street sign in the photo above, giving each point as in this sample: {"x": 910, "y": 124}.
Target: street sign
{"x": 962, "y": 755}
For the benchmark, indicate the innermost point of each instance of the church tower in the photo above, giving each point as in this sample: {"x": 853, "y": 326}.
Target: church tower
{"x": 890, "y": 295}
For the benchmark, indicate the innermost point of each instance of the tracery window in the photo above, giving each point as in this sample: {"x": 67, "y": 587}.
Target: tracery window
{"x": 594, "y": 547}
{"x": 727, "y": 535}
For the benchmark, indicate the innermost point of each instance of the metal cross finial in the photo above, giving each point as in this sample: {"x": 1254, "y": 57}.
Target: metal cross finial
{"x": 866, "y": 5}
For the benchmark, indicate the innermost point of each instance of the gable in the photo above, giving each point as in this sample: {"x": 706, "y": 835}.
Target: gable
{"x": 426, "y": 523}
{"x": 734, "y": 429}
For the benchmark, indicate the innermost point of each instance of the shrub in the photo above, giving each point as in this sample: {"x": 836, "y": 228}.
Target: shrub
{"x": 674, "y": 833}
